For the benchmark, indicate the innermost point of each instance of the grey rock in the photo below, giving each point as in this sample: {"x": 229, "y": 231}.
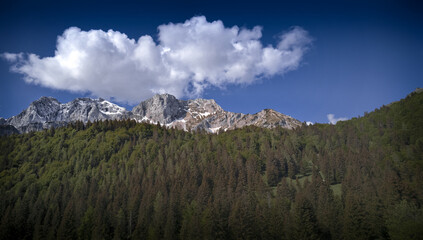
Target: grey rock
{"x": 43, "y": 110}
{"x": 87, "y": 109}
{"x": 47, "y": 112}
{"x": 206, "y": 114}
{"x": 416, "y": 91}
{"x": 190, "y": 115}
{"x": 163, "y": 108}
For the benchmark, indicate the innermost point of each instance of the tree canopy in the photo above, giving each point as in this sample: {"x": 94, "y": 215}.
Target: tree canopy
{"x": 358, "y": 179}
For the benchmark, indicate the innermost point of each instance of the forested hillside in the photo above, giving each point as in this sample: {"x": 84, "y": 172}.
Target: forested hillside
{"x": 358, "y": 179}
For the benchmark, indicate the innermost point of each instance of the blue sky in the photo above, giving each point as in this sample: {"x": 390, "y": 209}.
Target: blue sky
{"x": 358, "y": 55}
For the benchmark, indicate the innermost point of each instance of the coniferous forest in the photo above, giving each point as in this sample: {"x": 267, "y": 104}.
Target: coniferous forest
{"x": 358, "y": 179}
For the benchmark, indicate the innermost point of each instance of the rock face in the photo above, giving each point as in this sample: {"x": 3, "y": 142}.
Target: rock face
{"x": 190, "y": 115}
{"x": 163, "y": 108}
{"x": 204, "y": 114}
{"x": 47, "y": 112}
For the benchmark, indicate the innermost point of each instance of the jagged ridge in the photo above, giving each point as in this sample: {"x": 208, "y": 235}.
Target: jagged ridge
{"x": 190, "y": 115}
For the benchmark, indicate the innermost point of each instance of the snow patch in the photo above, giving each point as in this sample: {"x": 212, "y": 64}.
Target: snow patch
{"x": 200, "y": 114}
{"x": 177, "y": 121}
{"x": 109, "y": 108}
{"x": 145, "y": 119}
{"x": 215, "y": 130}
{"x": 205, "y": 114}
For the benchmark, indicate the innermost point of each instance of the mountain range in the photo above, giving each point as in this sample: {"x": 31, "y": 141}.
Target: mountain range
{"x": 360, "y": 179}
{"x": 163, "y": 109}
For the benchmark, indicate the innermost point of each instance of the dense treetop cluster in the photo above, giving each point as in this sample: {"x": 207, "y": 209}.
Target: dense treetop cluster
{"x": 358, "y": 179}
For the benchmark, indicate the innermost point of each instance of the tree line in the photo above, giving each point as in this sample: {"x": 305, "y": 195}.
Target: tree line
{"x": 358, "y": 179}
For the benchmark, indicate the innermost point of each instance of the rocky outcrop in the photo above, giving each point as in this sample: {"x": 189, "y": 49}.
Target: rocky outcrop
{"x": 189, "y": 115}
{"x": 163, "y": 109}
{"x": 47, "y": 112}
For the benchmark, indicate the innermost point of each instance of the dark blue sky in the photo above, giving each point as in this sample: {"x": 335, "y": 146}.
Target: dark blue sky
{"x": 364, "y": 53}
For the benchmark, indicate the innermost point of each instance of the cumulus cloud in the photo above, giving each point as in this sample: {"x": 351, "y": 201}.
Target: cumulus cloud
{"x": 333, "y": 120}
{"x": 186, "y": 59}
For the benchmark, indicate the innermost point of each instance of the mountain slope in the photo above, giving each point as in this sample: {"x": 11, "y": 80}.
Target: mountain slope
{"x": 47, "y": 112}
{"x": 358, "y": 179}
{"x": 205, "y": 114}
{"x": 198, "y": 114}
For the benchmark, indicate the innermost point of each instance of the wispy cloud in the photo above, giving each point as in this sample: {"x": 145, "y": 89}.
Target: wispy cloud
{"x": 188, "y": 58}
{"x": 12, "y": 57}
{"x": 333, "y": 120}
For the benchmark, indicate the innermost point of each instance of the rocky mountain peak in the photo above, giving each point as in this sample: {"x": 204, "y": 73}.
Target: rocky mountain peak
{"x": 87, "y": 109}
{"x": 164, "y": 96}
{"x": 48, "y": 112}
{"x": 162, "y": 108}
{"x": 45, "y": 104}
{"x": 41, "y": 110}
{"x": 166, "y": 109}
{"x": 46, "y": 99}
{"x": 207, "y": 105}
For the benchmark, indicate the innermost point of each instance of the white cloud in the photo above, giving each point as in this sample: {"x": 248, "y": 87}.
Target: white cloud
{"x": 309, "y": 123}
{"x": 187, "y": 58}
{"x": 12, "y": 57}
{"x": 333, "y": 120}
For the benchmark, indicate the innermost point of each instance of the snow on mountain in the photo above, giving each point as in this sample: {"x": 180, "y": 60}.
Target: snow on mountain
{"x": 190, "y": 115}
{"x": 47, "y": 112}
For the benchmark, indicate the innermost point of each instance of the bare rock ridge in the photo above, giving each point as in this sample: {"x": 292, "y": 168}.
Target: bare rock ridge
{"x": 189, "y": 115}
{"x": 163, "y": 108}
{"x": 47, "y": 112}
